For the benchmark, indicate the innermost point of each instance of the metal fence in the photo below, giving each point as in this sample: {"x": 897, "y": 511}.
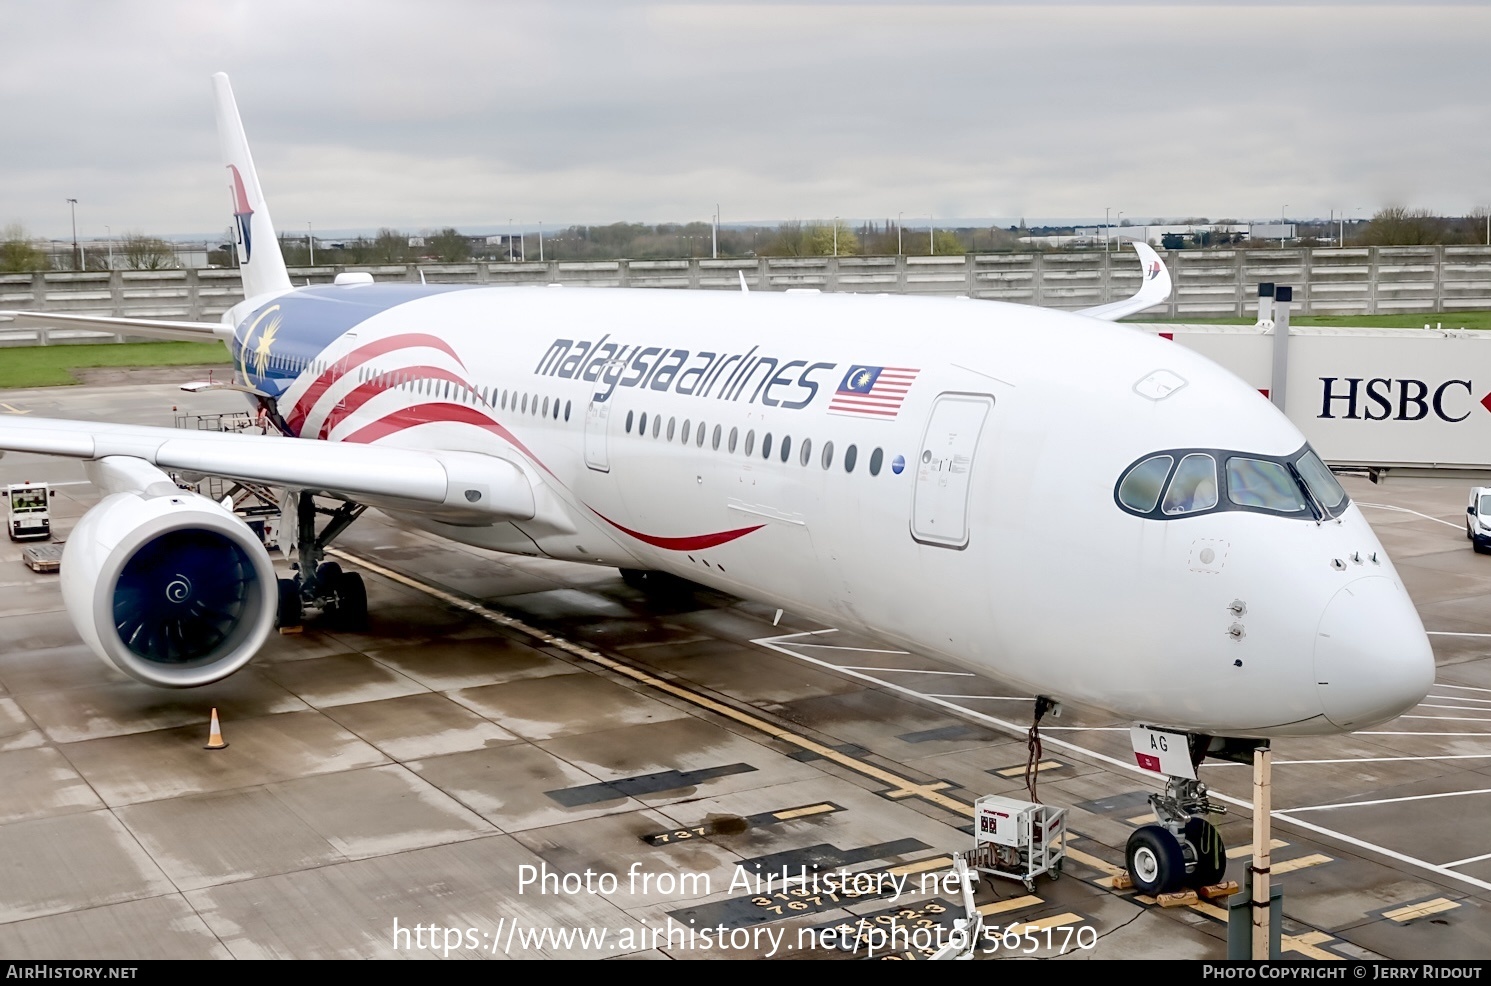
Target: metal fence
{"x": 1208, "y": 283}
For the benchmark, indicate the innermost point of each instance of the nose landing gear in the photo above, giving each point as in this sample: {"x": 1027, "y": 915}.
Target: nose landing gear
{"x": 1183, "y": 851}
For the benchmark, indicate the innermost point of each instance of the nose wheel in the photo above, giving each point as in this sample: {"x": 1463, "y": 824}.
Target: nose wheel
{"x": 1181, "y": 850}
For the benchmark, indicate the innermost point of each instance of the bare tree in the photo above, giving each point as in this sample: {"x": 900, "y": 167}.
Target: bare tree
{"x": 449, "y": 246}
{"x": 19, "y": 253}
{"x": 390, "y": 247}
{"x": 141, "y": 252}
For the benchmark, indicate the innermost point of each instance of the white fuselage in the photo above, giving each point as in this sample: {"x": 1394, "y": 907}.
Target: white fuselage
{"x": 989, "y": 535}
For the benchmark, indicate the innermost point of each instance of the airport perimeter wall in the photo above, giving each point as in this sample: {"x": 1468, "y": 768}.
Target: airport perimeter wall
{"x": 1208, "y": 283}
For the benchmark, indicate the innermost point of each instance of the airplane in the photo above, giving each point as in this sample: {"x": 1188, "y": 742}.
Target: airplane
{"x": 1079, "y": 508}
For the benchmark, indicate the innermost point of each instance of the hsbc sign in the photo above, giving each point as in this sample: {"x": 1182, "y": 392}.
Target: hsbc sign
{"x": 1404, "y": 397}
{"x": 1383, "y": 398}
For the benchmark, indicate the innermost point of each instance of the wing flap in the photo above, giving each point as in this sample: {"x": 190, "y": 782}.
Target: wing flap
{"x": 462, "y": 487}
{"x": 1154, "y": 289}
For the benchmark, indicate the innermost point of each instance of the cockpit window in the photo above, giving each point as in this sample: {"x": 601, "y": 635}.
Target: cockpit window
{"x": 1176, "y": 483}
{"x": 1140, "y": 489}
{"x": 1263, "y": 483}
{"x": 1194, "y": 487}
{"x": 1321, "y": 481}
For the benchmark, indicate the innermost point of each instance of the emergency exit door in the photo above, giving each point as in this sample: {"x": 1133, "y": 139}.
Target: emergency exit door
{"x": 944, "y": 469}
{"x": 597, "y": 419}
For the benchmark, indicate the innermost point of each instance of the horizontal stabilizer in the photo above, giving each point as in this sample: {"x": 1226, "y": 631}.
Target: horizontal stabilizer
{"x": 153, "y": 328}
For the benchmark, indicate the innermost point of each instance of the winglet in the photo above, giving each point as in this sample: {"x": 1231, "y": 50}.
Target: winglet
{"x": 259, "y": 255}
{"x": 1154, "y": 289}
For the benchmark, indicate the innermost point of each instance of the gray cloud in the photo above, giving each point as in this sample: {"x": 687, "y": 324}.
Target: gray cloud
{"x": 382, "y": 112}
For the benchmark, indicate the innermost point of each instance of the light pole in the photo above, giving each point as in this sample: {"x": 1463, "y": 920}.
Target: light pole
{"x": 898, "y": 233}
{"x": 714, "y": 237}
{"x": 73, "y": 204}
{"x": 1282, "y": 223}
{"x": 1119, "y": 223}
{"x": 836, "y": 236}
{"x": 310, "y": 241}
{"x": 1105, "y": 228}
{"x": 540, "y": 241}
{"x": 510, "y": 255}
{"x": 109, "y": 235}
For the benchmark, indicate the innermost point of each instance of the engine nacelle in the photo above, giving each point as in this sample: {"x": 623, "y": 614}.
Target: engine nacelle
{"x": 168, "y": 586}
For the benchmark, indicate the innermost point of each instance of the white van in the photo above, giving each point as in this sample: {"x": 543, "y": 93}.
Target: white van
{"x": 1478, "y": 518}
{"x": 29, "y": 517}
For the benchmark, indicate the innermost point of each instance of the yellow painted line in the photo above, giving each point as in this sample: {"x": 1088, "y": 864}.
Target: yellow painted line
{"x": 1101, "y": 865}
{"x": 1058, "y": 921}
{"x": 1020, "y": 770}
{"x": 941, "y": 862}
{"x": 790, "y": 813}
{"x": 1290, "y": 865}
{"x": 1210, "y": 910}
{"x": 908, "y": 792}
{"x": 1428, "y": 907}
{"x": 1239, "y": 852}
{"x": 1013, "y": 904}
{"x": 13, "y": 409}
{"x": 1305, "y": 945}
{"x": 927, "y": 792}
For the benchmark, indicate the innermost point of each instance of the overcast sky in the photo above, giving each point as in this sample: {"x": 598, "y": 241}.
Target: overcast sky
{"x": 421, "y": 115}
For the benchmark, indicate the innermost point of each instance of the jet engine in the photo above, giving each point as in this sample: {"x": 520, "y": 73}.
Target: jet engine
{"x": 165, "y": 585}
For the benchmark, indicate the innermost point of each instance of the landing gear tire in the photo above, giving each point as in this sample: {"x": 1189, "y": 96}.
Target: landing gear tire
{"x": 348, "y": 607}
{"x": 1155, "y": 860}
{"x": 290, "y": 612}
{"x": 327, "y": 573}
{"x": 1209, "y": 852}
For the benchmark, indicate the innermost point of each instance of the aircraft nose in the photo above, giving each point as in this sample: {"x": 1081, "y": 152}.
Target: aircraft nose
{"x": 1372, "y": 658}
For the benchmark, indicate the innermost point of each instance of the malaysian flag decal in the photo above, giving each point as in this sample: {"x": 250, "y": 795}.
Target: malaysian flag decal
{"x": 873, "y": 391}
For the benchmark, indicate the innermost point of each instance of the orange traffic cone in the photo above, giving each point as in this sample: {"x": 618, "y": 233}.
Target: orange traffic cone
{"x": 215, "y": 741}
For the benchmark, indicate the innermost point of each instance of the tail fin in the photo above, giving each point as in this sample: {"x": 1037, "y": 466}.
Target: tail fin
{"x": 258, "y": 248}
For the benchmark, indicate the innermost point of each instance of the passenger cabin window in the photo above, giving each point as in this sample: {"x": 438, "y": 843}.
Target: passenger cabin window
{"x": 1194, "y": 487}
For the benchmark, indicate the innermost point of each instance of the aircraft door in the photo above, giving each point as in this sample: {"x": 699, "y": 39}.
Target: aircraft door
{"x": 597, "y": 420}
{"x": 944, "y": 469}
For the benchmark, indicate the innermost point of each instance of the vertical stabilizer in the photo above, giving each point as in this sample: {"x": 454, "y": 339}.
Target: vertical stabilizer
{"x": 258, "y": 248}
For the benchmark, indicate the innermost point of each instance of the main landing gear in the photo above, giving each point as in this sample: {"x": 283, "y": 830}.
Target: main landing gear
{"x": 318, "y": 584}
{"x": 1182, "y": 850}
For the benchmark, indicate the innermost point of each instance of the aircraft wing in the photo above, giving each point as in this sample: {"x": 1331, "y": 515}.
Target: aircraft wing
{"x": 154, "y": 328}
{"x": 1154, "y": 289}
{"x": 458, "y": 487}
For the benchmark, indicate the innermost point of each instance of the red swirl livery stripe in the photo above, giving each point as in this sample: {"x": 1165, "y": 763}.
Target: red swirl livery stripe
{"x": 351, "y": 361}
{"x": 439, "y": 412}
{"x": 381, "y": 384}
{"x": 698, "y": 542}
